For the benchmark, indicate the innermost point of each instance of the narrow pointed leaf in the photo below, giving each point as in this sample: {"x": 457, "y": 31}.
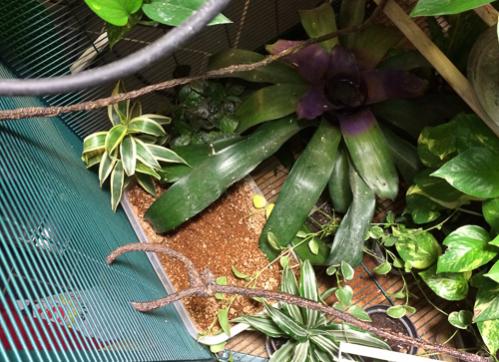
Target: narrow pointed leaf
{"x": 348, "y": 241}
{"x": 223, "y": 320}
{"x": 145, "y": 125}
{"x": 300, "y": 353}
{"x": 206, "y": 182}
{"x": 118, "y": 112}
{"x": 269, "y": 103}
{"x": 147, "y": 183}
{"x": 493, "y": 273}
{"x": 94, "y": 142}
{"x": 439, "y": 7}
{"x": 262, "y": 324}
{"x": 352, "y": 13}
{"x": 284, "y": 353}
{"x": 308, "y": 290}
{"x": 339, "y": 183}
{"x": 370, "y": 153}
{"x": 289, "y": 285}
{"x": 274, "y": 73}
{"x": 194, "y": 155}
{"x": 92, "y": 161}
{"x": 163, "y": 154}
{"x": 146, "y": 170}
{"x": 145, "y": 156}
{"x": 302, "y": 188}
{"x": 128, "y": 152}
{"x": 106, "y": 167}
{"x": 117, "y": 184}
{"x": 114, "y": 137}
{"x": 286, "y": 324}
{"x": 320, "y": 21}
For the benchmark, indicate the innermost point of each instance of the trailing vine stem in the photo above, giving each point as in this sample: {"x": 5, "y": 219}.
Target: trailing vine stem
{"x": 203, "y": 285}
{"x": 30, "y": 112}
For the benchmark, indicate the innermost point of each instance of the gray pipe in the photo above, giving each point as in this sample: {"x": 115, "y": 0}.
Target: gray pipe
{"x": 131, "y": 64}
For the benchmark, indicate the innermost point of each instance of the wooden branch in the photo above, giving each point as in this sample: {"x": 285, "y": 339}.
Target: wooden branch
{"x": 208, "y": 288}
{"x": 438, "y": 59}
{"x": 30, "y": 112}
{"x": 489, "y": 14}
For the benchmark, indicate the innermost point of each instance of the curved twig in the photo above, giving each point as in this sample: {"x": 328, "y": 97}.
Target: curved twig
{"x": 208, "y": 287}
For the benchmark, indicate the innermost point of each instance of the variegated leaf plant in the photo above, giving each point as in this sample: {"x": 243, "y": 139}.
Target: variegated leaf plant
{"x": 309, "y": 335}
{"x": 131, "y": 151}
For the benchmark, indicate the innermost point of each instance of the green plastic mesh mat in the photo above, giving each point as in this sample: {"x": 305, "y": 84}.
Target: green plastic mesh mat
{"x": 59, "y": 300}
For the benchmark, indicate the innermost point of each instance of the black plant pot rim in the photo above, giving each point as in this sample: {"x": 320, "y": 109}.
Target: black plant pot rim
{"x": 406, "y": 322}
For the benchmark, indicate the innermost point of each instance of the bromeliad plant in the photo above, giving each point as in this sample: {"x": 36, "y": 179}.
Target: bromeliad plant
{"x": 309, "y": 335}
{"x": 462, "y": 160}
{"x": 131, "y": 151}
{"x": 329, "y": 85}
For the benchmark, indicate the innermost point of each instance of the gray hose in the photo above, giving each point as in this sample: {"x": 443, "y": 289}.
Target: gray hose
{"x": 131, "y": 64}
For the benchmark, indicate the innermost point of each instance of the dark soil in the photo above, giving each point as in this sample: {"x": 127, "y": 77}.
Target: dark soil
{"x": 383, "y": 321}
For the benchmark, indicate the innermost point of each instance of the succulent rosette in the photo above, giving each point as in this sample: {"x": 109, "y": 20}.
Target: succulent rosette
{"x": 332, "y": 85}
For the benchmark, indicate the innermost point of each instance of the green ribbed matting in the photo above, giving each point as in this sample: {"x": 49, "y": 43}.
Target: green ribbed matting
{"x": 59, "y": 300}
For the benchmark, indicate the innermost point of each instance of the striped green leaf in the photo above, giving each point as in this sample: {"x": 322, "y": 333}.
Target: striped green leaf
{"x": 145, "y": 156}
{"x": 262, "y": 324}
{"x": 147, "y": 183}
{"x": 117, "y": 184}
{"x": 144, "y": 125}
{"x": 283, "y": 354}
{"x": 289, "y": 285}
{"x": 92, "y": 161}
{"x": 273, "y": 73}
{"x": 146, "y": 170}
{"x": 300, "y": 353}
{"x": 158, "y": 118}
{"x": 287, "y": 324}
{"x": 128, "y": 152}
{"x": 404, "y": 154}
{"x": 206, "y": 182}
{"x": 339, "y": 183}
{"x": 114, "y": 137}
{"x": 163, "y": 154}
{"x": 326, "y": 344}
{"x": 106, "y": 167}
{"x": 118, "y": 112}
{"x": 302, "y": 188}
{"x": 95, "y": 142}
{"x": 308, "y": 290}
{"x": 348, "y": 241}
{"x": 269, "y": 103}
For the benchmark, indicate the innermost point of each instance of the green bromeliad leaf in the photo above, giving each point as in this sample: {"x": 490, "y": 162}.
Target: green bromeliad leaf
{"x": 302, "y": 188}
{"x": 467, "y": 250}
{"x": 269, "y": 103}
{"x": 320, "y": 21}
{"x": 348, "y": 241}
{"x": 339, "y": 183}
{"x": 449, "y": 286}
{"x": 445, "y": 7}
{"x": 276, "y": 72}
{"x": 473, "y": 172}
{"x": 206, "y": 182}
{"x": 175, "y": 12}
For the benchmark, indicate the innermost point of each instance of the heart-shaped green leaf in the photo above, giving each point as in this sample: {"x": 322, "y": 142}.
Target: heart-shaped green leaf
{"x": 450, "y": 286}
{"x": 490, "y": 210}
{"x": 467, "y": 249}
{"x": 487, "y": 303}
{"x": 473, "y": 172}
{"x": 175, "y": 12}
{"x": 461, "y": 319}
{"x": 115, "y": 12}
{"x": 419, "y": 249}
